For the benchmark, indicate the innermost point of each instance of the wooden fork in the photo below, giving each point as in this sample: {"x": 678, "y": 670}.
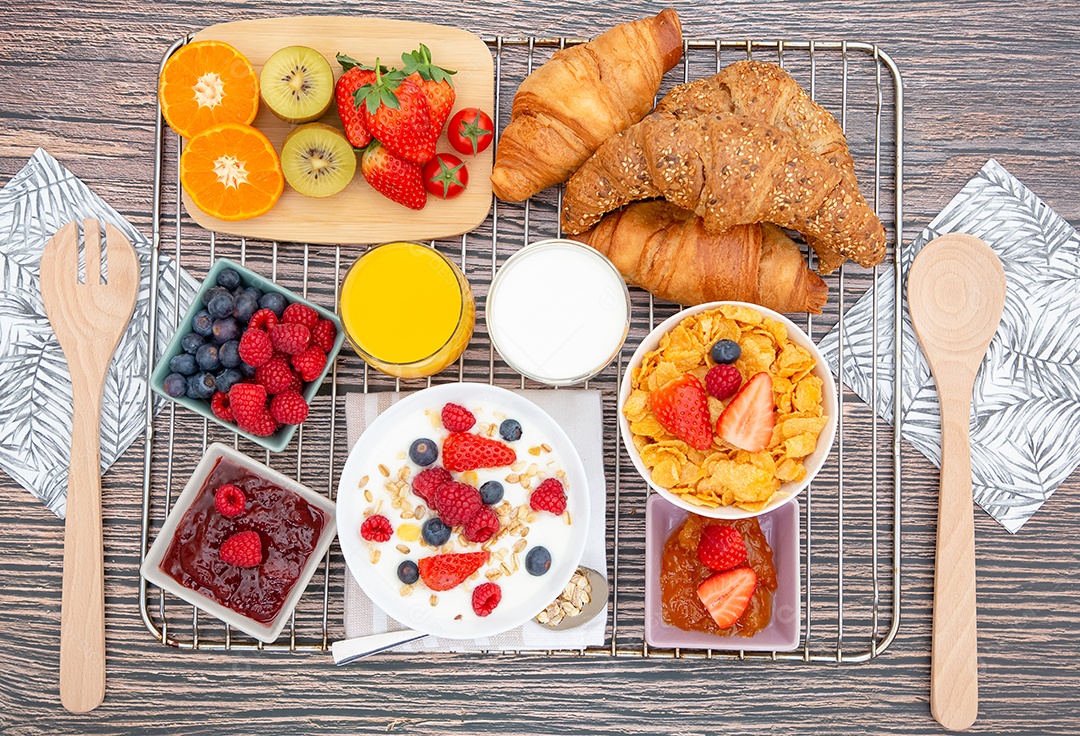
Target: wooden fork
{"x": 88, "y": 320}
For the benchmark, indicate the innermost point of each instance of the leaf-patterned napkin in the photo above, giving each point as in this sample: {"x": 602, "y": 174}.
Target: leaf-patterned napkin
{"x": 1025, "y": 421}
{"x": 35, "y": 415}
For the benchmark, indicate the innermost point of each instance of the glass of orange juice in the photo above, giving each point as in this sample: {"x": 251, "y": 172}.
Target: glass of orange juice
{"x": 407, "y": 309}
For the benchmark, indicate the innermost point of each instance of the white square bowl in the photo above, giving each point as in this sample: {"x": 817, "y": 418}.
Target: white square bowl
{"x": 153, "y": 573}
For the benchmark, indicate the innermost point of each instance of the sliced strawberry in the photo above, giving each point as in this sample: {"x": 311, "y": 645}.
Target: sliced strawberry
{"x": 682, "y": 408}
{"x": 444, "y": 572}
{"x": 726, "y": 595}
{"x": 748, "y": 421}
{"x": 463, "y": 451}
{"x": 721, "y": 547}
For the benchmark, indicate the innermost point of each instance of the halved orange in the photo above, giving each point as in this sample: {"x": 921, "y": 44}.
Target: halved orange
{"x": 231, "y": 172}
{"x": 205, "y": 83}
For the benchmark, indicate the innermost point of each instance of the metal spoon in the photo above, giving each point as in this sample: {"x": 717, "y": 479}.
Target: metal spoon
{"x": 350, "y": 650}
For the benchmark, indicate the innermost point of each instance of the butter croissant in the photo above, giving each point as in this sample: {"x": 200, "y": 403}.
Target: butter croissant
{"x": 667, "y": 251}
{"x": 730, "y": 170}
{"x": 585, "y": 94}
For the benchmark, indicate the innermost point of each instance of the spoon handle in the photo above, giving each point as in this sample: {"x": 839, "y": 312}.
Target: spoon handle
{"x": 350, "y": 650}
{"x": 954, "y": 684}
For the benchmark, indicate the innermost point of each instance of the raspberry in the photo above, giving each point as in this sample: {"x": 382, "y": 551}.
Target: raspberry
{"x": 482, "y": 526}
{"x": 723, "y": 381}
{"x": 721, "y": 547}
{"x": 263, "y": 319}
{"x": 255, "y": 347}
{"x": 274, "y": 375}
{"x": 376, "y": 528}
{"x": 457, "y": 418}
{"x": 229, "y": 500}
{"x": 295, "y": 384}
{"x": 219, "y": 404}
{"x": 309, "y": 363}
{"x": 427, "y": 483}
{"x": 248, "y": 401}
{"x": 300, "y": 314}
{"x": 485, "y": 598}
{"x": 549, "y": 496}
{"x": 323, "y": 335}
{"x": 290, "y": 338}
{"x": 457, "y": 503}
{"x": 288, "y": 407}
{"x": 243, "y": 549}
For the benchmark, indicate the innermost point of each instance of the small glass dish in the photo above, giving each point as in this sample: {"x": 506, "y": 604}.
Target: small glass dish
{"x": 558, "y": 312}
{"x": 391, "y": 293}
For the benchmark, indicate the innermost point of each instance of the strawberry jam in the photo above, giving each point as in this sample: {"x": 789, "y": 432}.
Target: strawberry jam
{"x": 287, "y": 524}
{"x": 681, "y": 573}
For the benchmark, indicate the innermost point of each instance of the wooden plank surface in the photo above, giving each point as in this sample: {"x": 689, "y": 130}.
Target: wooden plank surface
{"x": 982, "y": 80}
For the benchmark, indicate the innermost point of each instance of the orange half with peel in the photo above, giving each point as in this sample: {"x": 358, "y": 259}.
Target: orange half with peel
{"x": 231, "y": 172}
{"x": 205, "y": 83}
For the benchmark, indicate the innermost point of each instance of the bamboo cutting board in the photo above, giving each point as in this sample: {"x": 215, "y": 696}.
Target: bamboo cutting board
{"x": 359, "y": 214}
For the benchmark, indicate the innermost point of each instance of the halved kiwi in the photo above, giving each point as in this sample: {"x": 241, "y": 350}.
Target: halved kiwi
{"x": 297, "y": 84}
{"x": 317, "y": 160}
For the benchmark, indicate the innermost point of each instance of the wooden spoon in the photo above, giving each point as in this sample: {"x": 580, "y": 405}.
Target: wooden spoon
{"x": 956, "y": 292}
{"x": 89, "y": 319}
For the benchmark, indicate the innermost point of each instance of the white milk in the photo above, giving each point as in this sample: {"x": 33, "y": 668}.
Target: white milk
{"x": 558, "y": 311}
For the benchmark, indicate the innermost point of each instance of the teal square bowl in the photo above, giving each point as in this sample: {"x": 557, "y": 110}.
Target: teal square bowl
{"x": 280, "y": 439}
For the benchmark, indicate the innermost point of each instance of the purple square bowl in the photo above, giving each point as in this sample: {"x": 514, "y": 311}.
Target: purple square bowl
{"x": 781, "y": 529}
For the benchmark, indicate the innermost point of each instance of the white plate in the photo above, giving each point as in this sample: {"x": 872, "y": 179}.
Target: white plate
{"x": 383, "y": 441}
{"x": 812, "y": 462}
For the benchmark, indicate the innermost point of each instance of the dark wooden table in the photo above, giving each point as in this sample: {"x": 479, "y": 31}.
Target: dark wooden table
{"x": 983, "y": 79}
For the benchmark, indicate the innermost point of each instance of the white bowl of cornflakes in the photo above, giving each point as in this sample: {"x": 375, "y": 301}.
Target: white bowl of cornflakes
{"x": 723, "y": 481}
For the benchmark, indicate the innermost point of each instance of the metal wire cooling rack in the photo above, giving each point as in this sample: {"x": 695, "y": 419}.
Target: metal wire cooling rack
{"x": 850, "y": 525}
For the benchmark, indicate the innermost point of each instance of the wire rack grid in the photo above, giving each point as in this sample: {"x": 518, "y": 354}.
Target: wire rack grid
{"x": 850, "y": 527}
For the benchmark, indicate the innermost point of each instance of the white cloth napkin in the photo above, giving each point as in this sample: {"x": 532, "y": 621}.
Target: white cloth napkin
{"x": 578, "y": 412}
{"x": 35, "y": 417}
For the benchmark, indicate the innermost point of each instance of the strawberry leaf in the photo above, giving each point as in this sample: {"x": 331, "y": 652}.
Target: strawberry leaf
{"x": 419, "y": 62}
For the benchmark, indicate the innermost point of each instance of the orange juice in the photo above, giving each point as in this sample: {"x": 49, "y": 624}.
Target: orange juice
{"x": 406, "y": 309}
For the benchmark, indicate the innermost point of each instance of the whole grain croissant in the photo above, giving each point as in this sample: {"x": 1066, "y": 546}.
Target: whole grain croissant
{"x": 667, "y": 251}
{"x": 731, "y": 170}
{"x": 766, "y": 92}
{"x": 585, "y": 94}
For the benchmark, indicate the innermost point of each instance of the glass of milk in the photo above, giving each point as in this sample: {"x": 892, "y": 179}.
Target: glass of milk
{"x": 558, "y": 312}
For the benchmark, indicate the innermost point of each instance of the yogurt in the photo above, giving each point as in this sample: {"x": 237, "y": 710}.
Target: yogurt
{"x": 558, "y": 312}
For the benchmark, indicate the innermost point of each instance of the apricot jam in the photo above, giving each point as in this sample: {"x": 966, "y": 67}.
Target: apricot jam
{"x": 681, "y": 573}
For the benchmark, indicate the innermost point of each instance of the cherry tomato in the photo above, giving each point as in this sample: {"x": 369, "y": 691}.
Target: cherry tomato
{"x": 445, "y": 176}
{"x": 470, "y": 131}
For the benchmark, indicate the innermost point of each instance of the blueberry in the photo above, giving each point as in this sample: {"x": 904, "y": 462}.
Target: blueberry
{"x": 408, "y": 572}
{"x": 228, "y": 278}
{"x": 175, "y": 385}
{"x": 423, "y": 451}
{"x": 203, "y": 323}
{"x": 274, "y": 302}
{"x": 200, "y": 386}
{"x": 246, "y": 370}
{"x": 225, "y": 329}
{"x": 226, "y": 379}
{"x": 191, "y": 342}
{"x": 538, "y": 561}
{"x": 184, "y": 364}
{"x": 221, "y": 305}
{"x": 246, "y": 305}
{"x": 510, "y": 430}
{"x": 229, "y": 354}
{"x": 255, "y": 292}
{"x": 207, "y": 358}
{"x": 726, "y": 351}
{"x": 211, "y": 293}
{"x": 491, "y": 492}
{"x": 435, "y": 532}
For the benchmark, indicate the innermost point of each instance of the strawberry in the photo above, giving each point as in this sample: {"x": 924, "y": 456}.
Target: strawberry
{"x": 682, "y": 408}
{"x": 444, "y": 572}
{"x": 727, "y": 595}
{"x": 721, "y": 547}
{"x": 395, "y": 178}
{"x": 356, "y": 76}
{"x": 747, "y": 422}
{"x": 463, "y": 451}
{"x": 397, "y": 113}
{"x": 434, "y": 81}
